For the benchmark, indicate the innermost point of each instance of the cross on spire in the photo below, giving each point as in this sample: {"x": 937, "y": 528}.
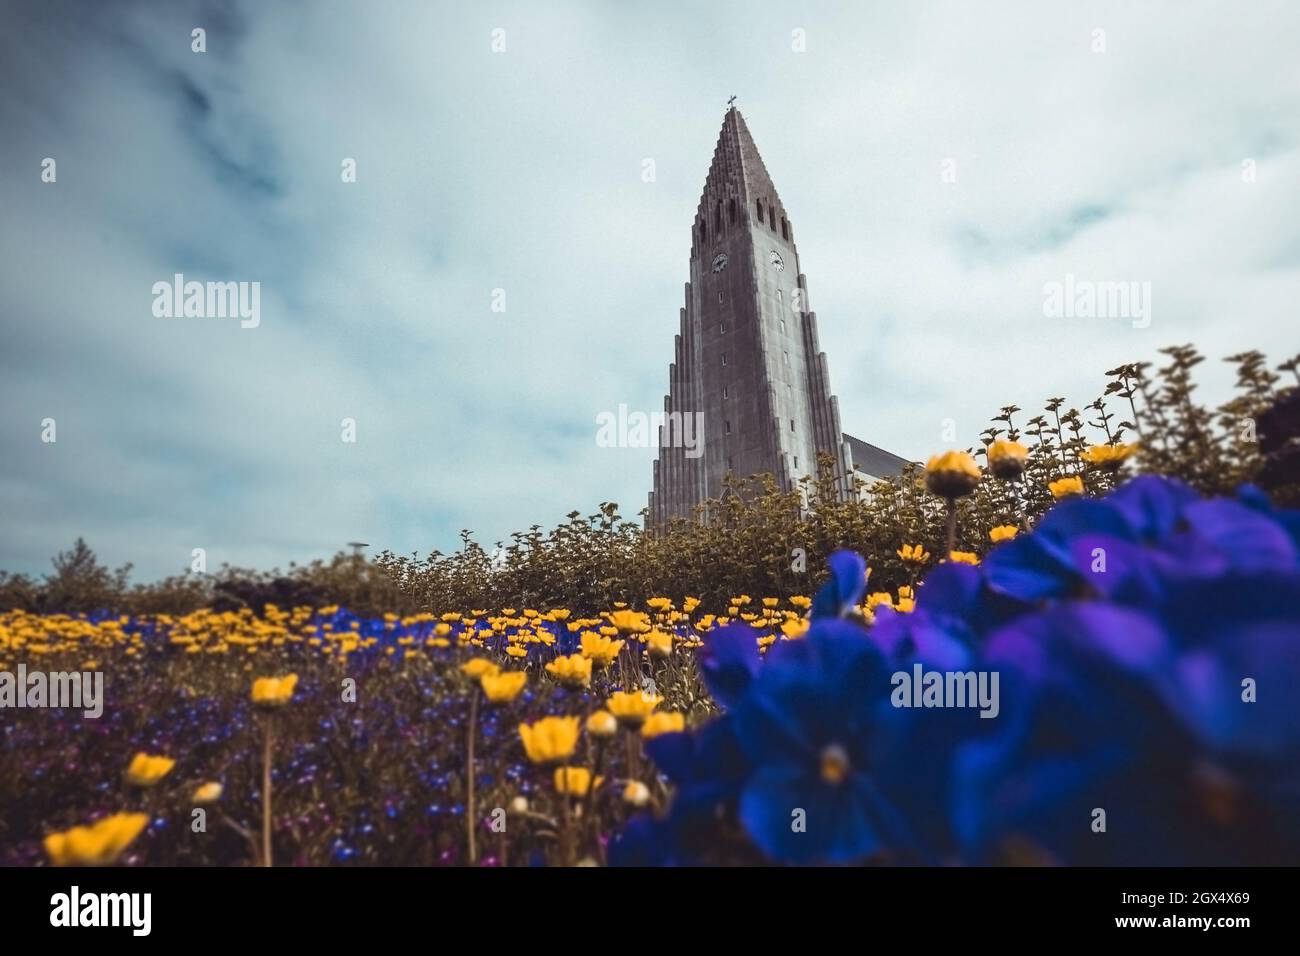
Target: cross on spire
{"x": 732, "y": 100}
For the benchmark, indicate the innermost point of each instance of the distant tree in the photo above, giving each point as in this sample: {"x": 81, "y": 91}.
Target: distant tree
{"x": 80, "y": 584}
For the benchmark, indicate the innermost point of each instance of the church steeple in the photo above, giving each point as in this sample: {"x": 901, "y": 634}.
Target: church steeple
{"x": 738, "y": 185}
{"x": 747, "y": 366}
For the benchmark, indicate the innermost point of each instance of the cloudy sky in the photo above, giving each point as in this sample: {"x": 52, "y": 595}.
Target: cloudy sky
{"x": 522, "y": 170}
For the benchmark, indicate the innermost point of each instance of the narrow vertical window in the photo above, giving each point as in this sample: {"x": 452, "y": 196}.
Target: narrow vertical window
{"x": 724, "y": 358}
{"x": 759, "y": 204}
{"x": 771, "y": 217}
{"x": 785, "y": 357}
{"x": 785, "y": 229}
{"x": 728, "y": 428}
{"x": 731, "y": 210}
{"x": 722, "y": 328}
{"x": 719, "y": 295}
{"x": 792, "y": 424}
{"x": 724, "y": 391}
{"x": 783, "y": 325}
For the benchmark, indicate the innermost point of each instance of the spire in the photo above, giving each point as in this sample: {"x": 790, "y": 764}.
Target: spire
{"x": 737, "y": 174}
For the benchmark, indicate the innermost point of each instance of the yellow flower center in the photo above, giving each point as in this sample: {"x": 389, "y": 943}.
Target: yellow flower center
{"x": 835, "y": 764}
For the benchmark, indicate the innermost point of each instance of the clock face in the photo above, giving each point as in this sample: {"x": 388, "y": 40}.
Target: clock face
{"x": 775, "y": 259}
{"x": 720, "y": 262}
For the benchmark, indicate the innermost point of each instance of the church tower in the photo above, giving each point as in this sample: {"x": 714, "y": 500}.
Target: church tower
{"x": 746, "y": 364}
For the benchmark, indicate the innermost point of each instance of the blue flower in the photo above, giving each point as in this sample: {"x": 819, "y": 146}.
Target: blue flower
{"x": 836, "y": 776}
{"x": 843, "y": 591}
{"x": 1147, "y": 645}
{"x": 1081, "y": 733}
{"x": 706, "y": 768}
{"x": 728, "y": 662}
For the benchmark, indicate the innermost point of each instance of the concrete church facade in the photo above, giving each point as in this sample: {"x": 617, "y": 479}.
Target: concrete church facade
{"x": 747, "y": 365}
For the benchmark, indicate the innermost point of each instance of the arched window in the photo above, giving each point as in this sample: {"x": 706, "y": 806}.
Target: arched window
{"x": 785, "y": 229}
{"x": 759, "y": 204}
{"x": 771, "y": 217}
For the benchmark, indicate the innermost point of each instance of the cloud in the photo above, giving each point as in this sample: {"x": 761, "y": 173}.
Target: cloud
{"x": 522, "y": 171}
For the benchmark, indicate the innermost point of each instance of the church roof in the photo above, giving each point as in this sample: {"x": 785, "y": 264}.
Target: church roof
{"x": 874, "y": 461}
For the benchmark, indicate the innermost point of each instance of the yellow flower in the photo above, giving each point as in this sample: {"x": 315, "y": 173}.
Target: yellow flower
{"x": 793, "y": 629}
{"x": 690, "y": 604}
{"x": 659, "y": 643}
{"x": 963, "y": 557}
{"x": 952, "y": 474}
{"x": 503, "y": 687}
{"x": 631, "y": 708}
{"x": 913, "y": 554}
{"x": 572, "y": 671}
{"x": 1003, "y": 532}
{"x": 602, "y": 650}
{"x": 208, "y": 793}
{"x": 1107, "y": 457}
{"x": 574, "y": 781}
{"x": 660, "y": 603}
{"x": 636, "y": 793}
{"x": 802, "y": 602}
{"x": 771, "y": 602}
{"x": 145, "y": 771}
{"x": 514, "y": 650}
{"x": 1007, "y": 458}
{"x": 274, "y": 691}
{"x": 629, "y": 622}
{"x": 878, "y": 598}
{"x": 602, "y": 724}
{"x": 668, "y": 722}
{"x": 1064, "y": 487}
{"x": 550, "y": 739}
{"x": 98, "y": 844}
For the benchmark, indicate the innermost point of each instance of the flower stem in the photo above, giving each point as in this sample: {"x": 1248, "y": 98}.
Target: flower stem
{"x": 470, "y": 814}
{"x": 267, "y": 743}
{"x": 952, "y": 526}
{"x": 566, "y": 828}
